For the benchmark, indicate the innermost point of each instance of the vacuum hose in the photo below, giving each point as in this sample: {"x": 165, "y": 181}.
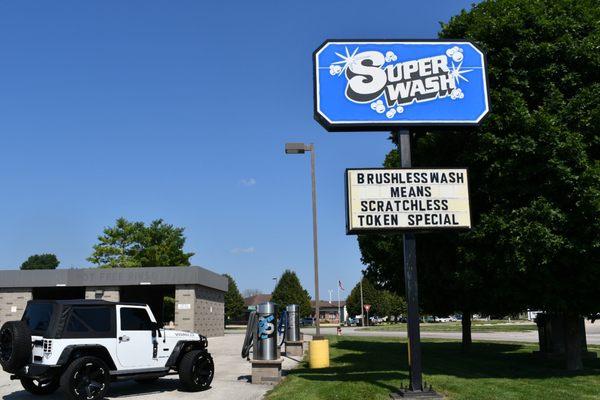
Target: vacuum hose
{"x": 281, "y": 327}
{"x": 250, "y": 330}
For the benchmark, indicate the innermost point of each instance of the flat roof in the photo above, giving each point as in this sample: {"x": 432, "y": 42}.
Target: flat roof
{"x": 113, "y": 277}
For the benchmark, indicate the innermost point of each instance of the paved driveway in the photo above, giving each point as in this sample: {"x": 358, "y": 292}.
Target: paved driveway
{"x": 231, "y": 379}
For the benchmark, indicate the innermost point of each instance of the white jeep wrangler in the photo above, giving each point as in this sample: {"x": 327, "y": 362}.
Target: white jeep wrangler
{"x": 83, "y": 345}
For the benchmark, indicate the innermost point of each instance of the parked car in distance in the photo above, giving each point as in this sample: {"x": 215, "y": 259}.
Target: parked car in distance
{"x": 428, "y": 318}
{"x": 351, "y": 322}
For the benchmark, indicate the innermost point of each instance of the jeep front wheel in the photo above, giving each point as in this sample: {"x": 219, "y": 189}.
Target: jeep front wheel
{"x": 40, "y": 386}
{"x": 196, "y": 370}
{"x": 86, "y": 378}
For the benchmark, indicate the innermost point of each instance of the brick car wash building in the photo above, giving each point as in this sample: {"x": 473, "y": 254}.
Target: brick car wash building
{"x": 199, "y": 294}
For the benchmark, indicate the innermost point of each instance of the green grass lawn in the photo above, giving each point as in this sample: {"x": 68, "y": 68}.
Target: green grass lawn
{"x": 477, "y": 326}
{"x": 372, "y": 367}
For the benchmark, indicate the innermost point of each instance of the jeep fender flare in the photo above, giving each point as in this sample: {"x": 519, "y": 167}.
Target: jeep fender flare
{"x": 77, "y": 350}
{"x": 182, "y": 347}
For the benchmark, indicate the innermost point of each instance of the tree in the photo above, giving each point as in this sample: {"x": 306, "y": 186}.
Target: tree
{"x": 289, "y": 290}
{"x": 534, "y": 170}
{"x": 133, "y": 244}
{"x": 41, "y": 261}
{"x": 234, "y": 302}
{"x": 392, "y": 304}
{"x": 383, "y": 302}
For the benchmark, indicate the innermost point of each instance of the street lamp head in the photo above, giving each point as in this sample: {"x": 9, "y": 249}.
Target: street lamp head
{"x": 295, "y": 148}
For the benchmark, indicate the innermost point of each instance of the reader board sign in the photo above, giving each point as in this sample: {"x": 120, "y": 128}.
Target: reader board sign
{"x": 382, "y": 84}
{"x": 407, "y": 199}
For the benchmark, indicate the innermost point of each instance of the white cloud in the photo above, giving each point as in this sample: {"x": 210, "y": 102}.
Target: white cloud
{"x": 248, "y": 182}
{"x": 242, "y": 250}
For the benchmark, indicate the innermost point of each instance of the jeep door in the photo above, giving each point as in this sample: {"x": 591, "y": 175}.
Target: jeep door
{"x": 135, "y": 343}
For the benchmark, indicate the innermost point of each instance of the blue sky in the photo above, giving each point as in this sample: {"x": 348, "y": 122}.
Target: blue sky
{"x": 180, "y": 110}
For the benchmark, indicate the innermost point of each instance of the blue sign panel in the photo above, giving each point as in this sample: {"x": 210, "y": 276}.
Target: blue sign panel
{"x": 382, "y": 84}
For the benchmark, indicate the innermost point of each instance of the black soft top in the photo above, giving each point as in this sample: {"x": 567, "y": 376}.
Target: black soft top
{"x": 61, "y": 311}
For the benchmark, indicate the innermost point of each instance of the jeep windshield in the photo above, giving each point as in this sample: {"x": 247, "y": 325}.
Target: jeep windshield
{"x": 37, "y": 316}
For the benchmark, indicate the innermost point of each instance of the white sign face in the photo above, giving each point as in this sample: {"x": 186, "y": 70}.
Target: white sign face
{"x": 407, "y": 199}
{"x": 184, "y": 306}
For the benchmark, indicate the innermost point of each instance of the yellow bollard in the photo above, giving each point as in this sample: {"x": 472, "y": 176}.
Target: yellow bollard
{"x": 318, "y": 353}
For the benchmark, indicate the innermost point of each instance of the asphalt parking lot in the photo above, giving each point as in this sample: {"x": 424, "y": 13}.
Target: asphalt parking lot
{"x": 231, "y": 382}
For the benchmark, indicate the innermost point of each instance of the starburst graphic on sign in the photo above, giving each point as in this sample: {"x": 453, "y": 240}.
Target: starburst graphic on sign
{"x": 457, "y": 73}
{"x": 346, "y": 60}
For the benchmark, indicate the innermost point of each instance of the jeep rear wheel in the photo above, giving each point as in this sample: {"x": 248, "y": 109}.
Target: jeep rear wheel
{"x": 86, "y": 378}
{"x": 40, "y": 386}
{"x": 196, "y": 370}
{"x": 15, "y": 345}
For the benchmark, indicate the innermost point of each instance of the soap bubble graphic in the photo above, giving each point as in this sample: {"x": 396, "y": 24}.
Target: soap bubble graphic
{"x": 390, "y": 113}
{"x": 456, "y": 53}
{"x": 378, "y": 106}
{"x": 399, "y": 109}
{"x": 390, "y": 56}
{"x": 457, "y": 94}
{"x": 335, "y": 69}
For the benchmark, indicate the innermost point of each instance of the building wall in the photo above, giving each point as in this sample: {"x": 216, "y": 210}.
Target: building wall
{"x": 185, "y": 300}
{"x": 13, "y": 303}
{"x": 109, "y": 293}
{"x": 200, "y": 309}
{"x": 209, "y": 317}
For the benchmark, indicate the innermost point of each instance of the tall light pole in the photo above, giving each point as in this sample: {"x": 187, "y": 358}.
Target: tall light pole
{"x": 301, "y": 148}
{"x": 362, "y": 305}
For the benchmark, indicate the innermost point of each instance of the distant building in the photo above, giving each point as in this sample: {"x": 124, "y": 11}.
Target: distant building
{"x": 252, "y": 301}
{"x": 330, "y": 311}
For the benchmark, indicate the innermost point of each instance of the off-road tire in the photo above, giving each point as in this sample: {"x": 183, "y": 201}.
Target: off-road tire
{"x": 86, "y": 378}
{"x": 15, "y": 345}
{"x": 196, "y": 370}
{"x": 40, "y": 387}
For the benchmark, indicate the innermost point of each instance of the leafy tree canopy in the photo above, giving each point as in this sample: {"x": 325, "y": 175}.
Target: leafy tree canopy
{"x": 383, "y": 302}
{"x": 533, "y": 164}
{"x": 234, "y": 302}
{"x": 133, "y": 244}
{"x": 289, "y": 290}
{"x": 41, "y": 261}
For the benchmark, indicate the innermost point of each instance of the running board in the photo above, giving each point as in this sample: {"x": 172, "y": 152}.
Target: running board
{"x": 142, "y": 371}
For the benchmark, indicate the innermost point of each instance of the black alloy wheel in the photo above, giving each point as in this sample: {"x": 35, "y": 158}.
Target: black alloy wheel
{"x": 203, "y": 370}
{"x": 87, "y": 378}
{"x": 196, "y": 370}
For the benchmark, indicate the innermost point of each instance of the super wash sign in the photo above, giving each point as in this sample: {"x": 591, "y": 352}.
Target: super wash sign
{"x": 378, "y": 85}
